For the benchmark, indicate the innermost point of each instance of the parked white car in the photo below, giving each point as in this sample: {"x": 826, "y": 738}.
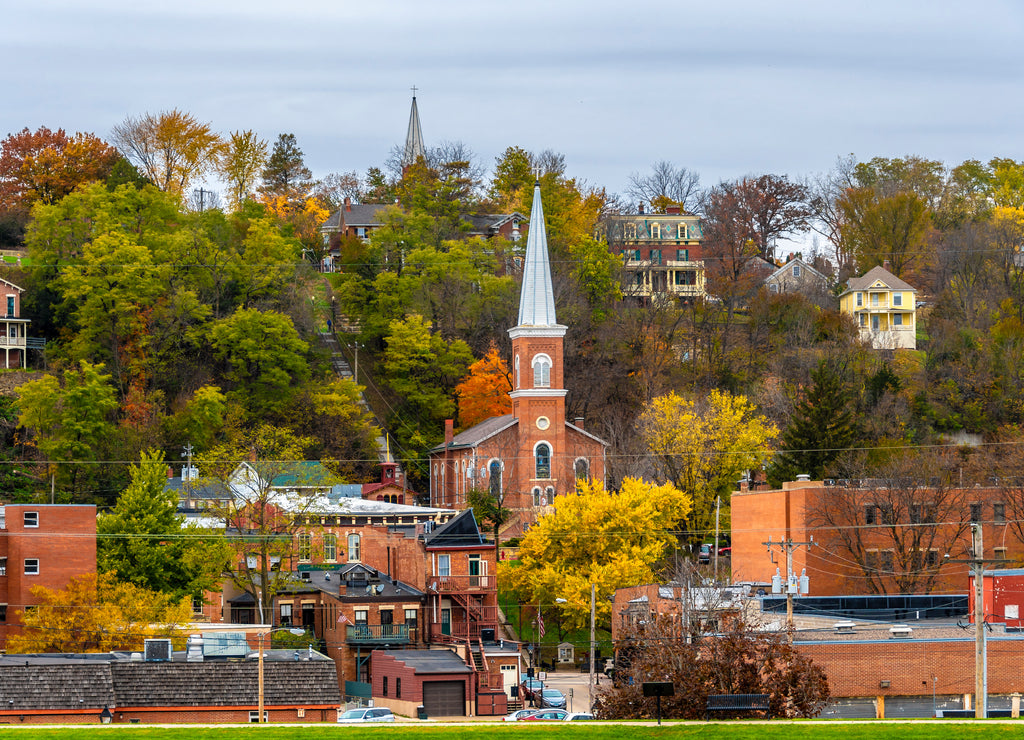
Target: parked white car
{"x": 370, "y": 714}
{"x": 574, "y": 716}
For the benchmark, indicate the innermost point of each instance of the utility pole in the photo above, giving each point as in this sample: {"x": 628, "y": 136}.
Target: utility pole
{"x": 977, "y": 562}
{"x": 793, "y": 585}
{"x": 593, "y": 614}
{"x": 718, "y": 509}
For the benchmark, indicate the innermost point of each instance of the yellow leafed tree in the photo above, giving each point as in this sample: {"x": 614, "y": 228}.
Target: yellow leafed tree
{"x": 611, "y": 539}
{"x": 703, "y": 446}
{"x": 97, "y": 614}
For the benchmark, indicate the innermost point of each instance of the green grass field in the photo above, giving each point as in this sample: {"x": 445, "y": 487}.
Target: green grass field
{"x": 776, "y": 730}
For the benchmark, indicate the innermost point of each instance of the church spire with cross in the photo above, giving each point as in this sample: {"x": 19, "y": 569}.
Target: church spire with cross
{"x": 414, "y": 137}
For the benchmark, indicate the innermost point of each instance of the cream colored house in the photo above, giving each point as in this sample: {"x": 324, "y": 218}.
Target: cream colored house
{"x": 884, "y": 308}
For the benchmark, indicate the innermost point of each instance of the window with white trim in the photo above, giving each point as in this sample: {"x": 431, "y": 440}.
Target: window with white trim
{"x": 536, "y": 495}
{"x": 897, "y": 299}
{"x": 30, "y": 519}
{"x": 305, "y": 546}
{"x": 541, "y": 371}
{"x": 31, "y": 566}
{"x": 330, "y": 546}
{"x": 444, "y": 565}
{"x": 353, "y": 548}
{"x": 286, "y": 615}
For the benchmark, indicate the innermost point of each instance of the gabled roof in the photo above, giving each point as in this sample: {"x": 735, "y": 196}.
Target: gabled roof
{"x": 459, "y": 531}
{"x": 476, "y": 434}
{"x": 877, "y": 275}
{"x": 795, "y": 261}
{"x": 12, "y": 285}
{"x": 489, "y": 223}
{"x": 359, "y": 214}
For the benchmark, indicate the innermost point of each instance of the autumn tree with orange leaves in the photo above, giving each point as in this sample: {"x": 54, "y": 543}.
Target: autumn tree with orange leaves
{"x": 44, "y": 165}
{"x": 484, "y": 391}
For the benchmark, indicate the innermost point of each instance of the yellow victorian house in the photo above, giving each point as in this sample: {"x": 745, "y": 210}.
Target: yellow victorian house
{"x": 884, "y": 308}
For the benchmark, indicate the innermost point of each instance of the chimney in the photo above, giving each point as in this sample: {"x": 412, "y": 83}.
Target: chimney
{"x": 170, "y": 472}
{"x": 348, "y": 204}
{"x": 744, "y": 485}
{"x": 672, "y": 210}
{"x": 449, "y": 431}
{"x": 886, "y": 266}
{"x": 641, "y": 209}
{"x": 578, "y": 421}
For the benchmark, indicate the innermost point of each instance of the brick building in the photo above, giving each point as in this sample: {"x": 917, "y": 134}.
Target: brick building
{"x": 532, "y": 455}
{"x": 661, "y": 253}
{"x": 890, "y": 667}
{"x": 871, "y": 536}
{"x": 41, "y": 545}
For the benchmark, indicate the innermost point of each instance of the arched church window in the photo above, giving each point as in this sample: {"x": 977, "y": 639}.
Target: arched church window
{"x": 517, "y": 372}
{"x": 549, "y": 496}
{"x": 542, "y": 457}
{"x": 582, "y": 469}
{"x": 494, "y": 471}
{"x": 541, "y": 371}
{"x": 536, "y": 495}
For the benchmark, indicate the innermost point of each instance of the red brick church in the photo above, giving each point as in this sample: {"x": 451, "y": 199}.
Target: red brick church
{"x": 528, "y": 457}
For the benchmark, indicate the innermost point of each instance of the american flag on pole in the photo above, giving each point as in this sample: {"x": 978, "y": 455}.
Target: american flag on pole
{"x": 343, "y": 619}
{"x": 540, "y": 624}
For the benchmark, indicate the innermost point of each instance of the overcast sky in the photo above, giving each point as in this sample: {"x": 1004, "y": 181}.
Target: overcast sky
{"x": 726, "y": 88}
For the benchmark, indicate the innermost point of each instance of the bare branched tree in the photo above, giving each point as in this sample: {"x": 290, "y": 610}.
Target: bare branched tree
{"x": 894, "y": 529}
{"x": 666, "y": 183}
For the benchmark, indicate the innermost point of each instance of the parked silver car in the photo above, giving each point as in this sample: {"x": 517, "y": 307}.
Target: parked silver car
{"x": 366, "y": 714}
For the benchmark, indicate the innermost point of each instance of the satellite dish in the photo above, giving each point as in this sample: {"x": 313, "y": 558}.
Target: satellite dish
{"x": 369, "y": 589}
{"x": 380, "y": 588}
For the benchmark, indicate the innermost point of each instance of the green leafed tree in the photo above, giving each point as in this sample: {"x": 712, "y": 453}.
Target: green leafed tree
{"x": 148, "y": 544}
{"x": 262, "y": 356}
{"x": 240, "y": 165}
{"x": 70, "y": 422}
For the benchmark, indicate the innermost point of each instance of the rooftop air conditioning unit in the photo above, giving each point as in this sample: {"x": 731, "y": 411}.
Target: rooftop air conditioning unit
{"x": 158, "y": 650}
{"x": 844, "y": 627}
{"x": 900, "y": 632}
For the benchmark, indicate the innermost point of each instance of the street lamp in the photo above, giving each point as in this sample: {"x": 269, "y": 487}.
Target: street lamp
{"x": 259, "y": 637}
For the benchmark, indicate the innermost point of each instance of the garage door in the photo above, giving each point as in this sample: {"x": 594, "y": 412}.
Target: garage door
{"x": 444, "y": 698}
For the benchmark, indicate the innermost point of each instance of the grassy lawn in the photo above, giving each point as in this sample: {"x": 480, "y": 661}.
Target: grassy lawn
{"x": 926, "y": 729}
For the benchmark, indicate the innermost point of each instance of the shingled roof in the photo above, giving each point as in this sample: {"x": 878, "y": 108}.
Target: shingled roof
{"x": 114, "y": 683}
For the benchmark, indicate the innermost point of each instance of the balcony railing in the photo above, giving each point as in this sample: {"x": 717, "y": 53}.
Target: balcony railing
{"x": 377, "y": 634}
{"x": 460, "y": 583}
{"x": 11, "y": 341}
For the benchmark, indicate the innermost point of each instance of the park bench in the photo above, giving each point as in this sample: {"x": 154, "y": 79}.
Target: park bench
{"x": 737, "y": 703}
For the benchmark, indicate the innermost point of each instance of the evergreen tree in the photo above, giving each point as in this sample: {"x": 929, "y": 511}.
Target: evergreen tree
{"x": 821, "y": 427}
{"x": 286, "y": 174}
{"x": 148, "y": 544}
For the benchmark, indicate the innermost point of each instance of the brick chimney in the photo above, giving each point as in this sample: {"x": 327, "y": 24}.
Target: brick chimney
{"x": 672, "y": 210}
{"x": 348, "y": 204}
{"x": 449, "y": 431}
{"x": 641, "y": 209}
{"x": 886, "y": 265}
{"x": 578, "y": 421}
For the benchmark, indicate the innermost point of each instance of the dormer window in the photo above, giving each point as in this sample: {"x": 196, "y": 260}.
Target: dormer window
{"x": 541, "y": 371}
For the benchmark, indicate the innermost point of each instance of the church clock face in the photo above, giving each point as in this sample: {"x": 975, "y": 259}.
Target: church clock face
{"x": 543, "y": 422}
